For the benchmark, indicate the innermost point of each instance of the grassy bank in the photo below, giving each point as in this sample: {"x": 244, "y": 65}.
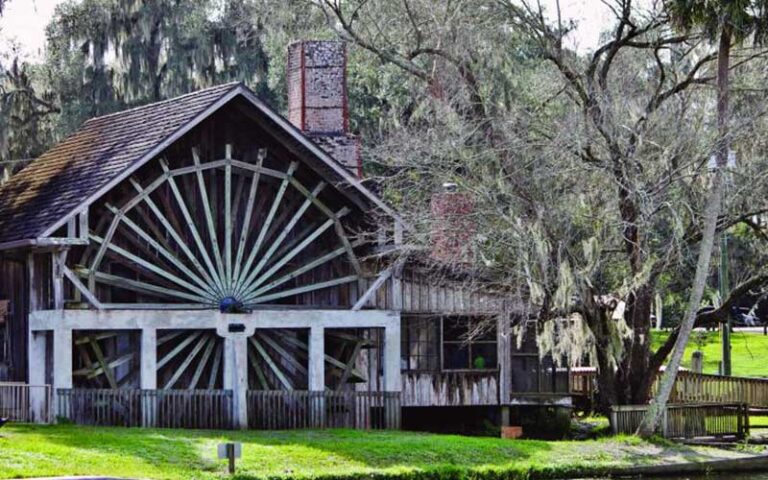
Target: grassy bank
{"x": 747, "y": 351}
{"x": 29, "y": 451}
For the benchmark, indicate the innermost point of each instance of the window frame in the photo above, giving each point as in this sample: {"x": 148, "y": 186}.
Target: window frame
{"x": 469, "y": 343}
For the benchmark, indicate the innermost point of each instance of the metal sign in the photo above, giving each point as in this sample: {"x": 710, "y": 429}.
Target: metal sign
{"x": 237, "y": 450}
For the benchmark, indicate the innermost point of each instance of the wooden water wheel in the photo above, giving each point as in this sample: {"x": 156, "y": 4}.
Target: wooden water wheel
{"x": 105, "y": 359}
{"x": 220, "y": 234}
{"x": 278, "y": 359}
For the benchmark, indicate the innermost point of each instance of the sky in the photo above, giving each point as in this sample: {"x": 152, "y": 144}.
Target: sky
{"x": 24, "y": 23}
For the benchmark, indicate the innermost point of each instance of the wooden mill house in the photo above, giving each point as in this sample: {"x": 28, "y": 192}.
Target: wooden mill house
{"x": 207, "y": 251}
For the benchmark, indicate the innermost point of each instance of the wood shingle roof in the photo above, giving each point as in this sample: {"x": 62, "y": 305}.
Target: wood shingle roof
{"x": 54, "y": 184}
{"x": 36, "y": 200}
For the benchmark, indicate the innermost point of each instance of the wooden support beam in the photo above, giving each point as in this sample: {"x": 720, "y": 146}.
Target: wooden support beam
{"x": 101, "y": 360}
{"x": 87, "y": 293}
{"x": 383, "y": 277}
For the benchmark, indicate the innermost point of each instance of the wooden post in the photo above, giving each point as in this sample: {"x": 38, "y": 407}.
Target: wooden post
{"x": 149, "y": 375}
{"x": 697, "y": 361}
{"x": 37, "y": 394}
{"x": 58, "y": 262}
{"x": 62, "y": 360}
{"x": 236, "y": 376}
{"x": 504, "y": 354}
{"x": 317, "y": 375}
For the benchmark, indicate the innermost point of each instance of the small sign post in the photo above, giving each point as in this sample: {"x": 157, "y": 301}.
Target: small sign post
{"x": 230, "y": 451}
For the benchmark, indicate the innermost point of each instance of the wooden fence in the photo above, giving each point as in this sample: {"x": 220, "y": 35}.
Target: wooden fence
{"x": 687, "y": 421}
{"x": 284, "y": 409}
{"x": 701, "y": 388}
{"x": 205, "y": 409}
{"x": 24, "y": 403}
{"x": 691, "y": 387}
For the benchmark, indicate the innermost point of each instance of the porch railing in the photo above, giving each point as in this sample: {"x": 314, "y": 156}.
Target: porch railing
{"x": 203, "y": 409}
{"x": 283, "y": 409}
{"x": 687, "y": 421}
{"x": 24, "y": 403}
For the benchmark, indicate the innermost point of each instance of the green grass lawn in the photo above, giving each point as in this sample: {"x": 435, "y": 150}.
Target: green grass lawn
{"x": 749, "y": 351}
{"x": 29, "y": 451}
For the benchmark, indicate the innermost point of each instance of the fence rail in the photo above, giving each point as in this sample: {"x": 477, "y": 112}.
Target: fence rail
{"x": 687, "y": 421}
{"x": 204, "y": 409}
{"x": 24, "y": 403}
{"x": 283, "y": 409}
{"x": 701, "y": 387}
{"x": 691, "y": 387}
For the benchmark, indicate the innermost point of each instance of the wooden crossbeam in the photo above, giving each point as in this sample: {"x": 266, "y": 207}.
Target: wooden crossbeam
{"x": 383, "y": 277}
{"x": 350, "y": 365}
{"x": 82, "y": 288}
{"x": 108, "y": 372}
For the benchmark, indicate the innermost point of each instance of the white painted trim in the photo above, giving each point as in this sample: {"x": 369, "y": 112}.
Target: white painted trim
{"x": 206, "y": 319}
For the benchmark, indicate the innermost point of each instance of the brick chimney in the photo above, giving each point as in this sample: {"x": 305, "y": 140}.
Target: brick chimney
{"x": 453, "y": 226}
{"x": 317, "y": 98}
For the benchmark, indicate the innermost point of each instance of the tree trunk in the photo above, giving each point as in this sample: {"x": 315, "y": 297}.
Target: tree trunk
{"x": 656, "y": 408}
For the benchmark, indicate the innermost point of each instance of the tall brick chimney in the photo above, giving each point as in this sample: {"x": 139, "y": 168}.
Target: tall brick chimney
{"x": 452, "y": 226}
{"x": 317, "y": 98}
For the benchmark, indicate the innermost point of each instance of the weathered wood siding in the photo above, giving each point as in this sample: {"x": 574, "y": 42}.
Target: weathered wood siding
{"x": 421, "y": 293}
{"x": 450, "y": 389}
{"x": 14, "y": 287}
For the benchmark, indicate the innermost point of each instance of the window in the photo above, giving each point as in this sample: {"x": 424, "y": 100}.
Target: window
{"x": 469, "y": 344}
{"x": 420, "y": 349}
{"x": 532, "y": 374}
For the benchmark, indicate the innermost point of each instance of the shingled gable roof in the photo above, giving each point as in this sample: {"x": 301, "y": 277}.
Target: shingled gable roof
{"x": 38, "y": 200}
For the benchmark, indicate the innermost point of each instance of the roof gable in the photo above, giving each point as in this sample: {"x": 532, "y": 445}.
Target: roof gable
{"x": 105, "y": 150}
